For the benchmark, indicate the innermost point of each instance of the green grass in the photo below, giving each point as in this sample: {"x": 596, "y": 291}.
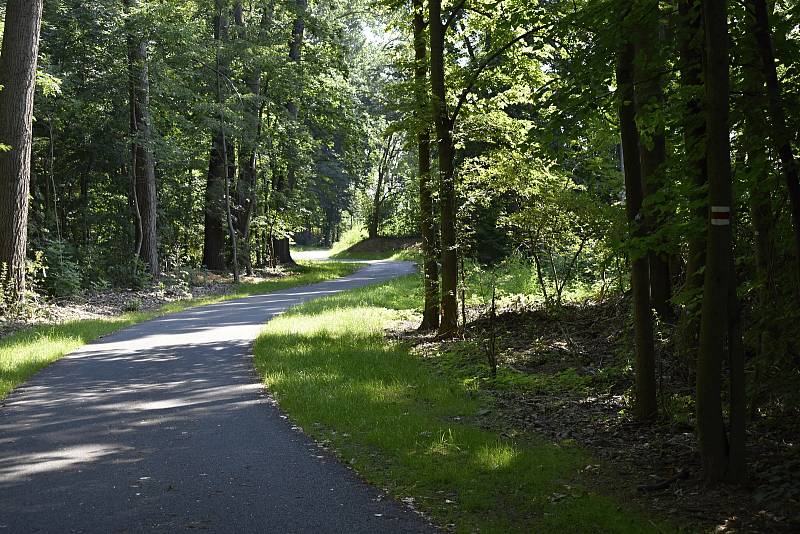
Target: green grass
{"x": 24, "y": 353}
{"x": 408, "y": 428}
{"x": 465, "y": 360}
{"x": 350, "y": 237}
{"x": 515, "y": 279}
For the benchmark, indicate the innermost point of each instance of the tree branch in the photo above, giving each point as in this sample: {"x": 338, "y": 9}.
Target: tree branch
{"x": 483, "y": 65}
{"x": 453, "y": 14}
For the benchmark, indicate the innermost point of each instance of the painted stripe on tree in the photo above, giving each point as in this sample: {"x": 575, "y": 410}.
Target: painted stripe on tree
{"x": 720, "y": 215}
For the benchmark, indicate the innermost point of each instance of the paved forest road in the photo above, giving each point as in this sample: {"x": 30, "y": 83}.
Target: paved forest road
{"x": 164, "y": 427}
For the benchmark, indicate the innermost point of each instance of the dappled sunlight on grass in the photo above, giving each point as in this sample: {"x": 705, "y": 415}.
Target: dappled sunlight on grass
{"x": 404, "y": 427}
{"x": 500, "y": 455}
{"x": 24, "y": 353}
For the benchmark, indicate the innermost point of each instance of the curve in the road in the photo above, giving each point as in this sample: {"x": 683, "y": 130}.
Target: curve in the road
{"x": 164, "y": 426}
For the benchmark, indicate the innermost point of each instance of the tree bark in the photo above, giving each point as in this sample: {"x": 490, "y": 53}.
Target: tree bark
{"x": 717, "y": 281}
{"x": 18, "y": 77}
{"x": 430, "y": 267}
{"x": 144, "y": 176}
{"x": 781, "y": 137}
{"x": 649, "y": 97}
{"x": 281, "y": 245}
{"x": 214, "y": 231}
{"x": 646, "y": 406}
{"x": 691, "y": 36}
{"x": 375, "y": 220}
{"x": 449, "y": 309}
{"x": 246, "y": 184}
{"x": 384, "y": 169}
{"x": 754, "y": 157}
{"x": 214, "y": 227}
{"x": 229, "y": 169}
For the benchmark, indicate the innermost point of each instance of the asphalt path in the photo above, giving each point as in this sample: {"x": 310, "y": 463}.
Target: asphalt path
{"x": 165, "y": 426}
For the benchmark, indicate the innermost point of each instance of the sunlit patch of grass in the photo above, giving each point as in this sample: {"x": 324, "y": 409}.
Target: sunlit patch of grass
{"x": 407, "y": 428}
{"x": 497, "y": 456}
{"x": 24, "y": 353}
{"x": 349, "y": 238}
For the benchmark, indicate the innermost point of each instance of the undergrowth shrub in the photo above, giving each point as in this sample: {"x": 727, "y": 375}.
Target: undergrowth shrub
{"x": 61, "y": 276}
{"x": 130, "y": 274}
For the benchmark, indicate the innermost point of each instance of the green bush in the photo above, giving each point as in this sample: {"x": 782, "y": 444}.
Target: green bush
{"x": 132, "y": 274}
{"x": 133, "y": 305}
{"x": 61, "y": 276}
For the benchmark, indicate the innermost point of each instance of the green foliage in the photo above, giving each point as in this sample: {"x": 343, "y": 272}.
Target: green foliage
{"x": 349, "y": 237}
{"x": 132, "y": 305}
{"x": 61, "y": 274}
{"x": 131, "y": 274}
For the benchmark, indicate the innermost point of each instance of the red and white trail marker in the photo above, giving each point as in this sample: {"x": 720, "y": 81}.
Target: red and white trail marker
{"x": 720, "y": 215}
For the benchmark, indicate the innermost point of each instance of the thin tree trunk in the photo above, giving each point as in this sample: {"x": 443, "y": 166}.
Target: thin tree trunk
{"x": 449, "y": 310}
{"x": 737, "y": 461}
{"x": 281, "y": 245}
{"x": 717, "y": 281}
{"x": 754, "y": 157}
{"x": 646, "y": 406}
{"x": 18, "y": 77}
{"x": 227, "y": 171}
{"x": 540, "y": 277}
{"x": 781, "y": 137}
{"x": 141, "y": 143}
{"x": 375, "y": 220}
{"x": 430, "y": 267}
{"x": 649, "y": 97}
{"x": 694, "y": 131}
{"x": 246, "y": 184}
{"x": 137, "y": 215}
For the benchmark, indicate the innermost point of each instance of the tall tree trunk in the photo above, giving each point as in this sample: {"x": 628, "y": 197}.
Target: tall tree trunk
{"x": 246, "y": 184}
{"x": 646, "y": 406}
{"x": 375, "y": 220}
{"x": 691, "y": 36}
{"x": 649, "y": 97}
{"x": 214, "y": 227}
{"x": 779, "y": 132}
{"x": 214, "y": 231}
{"x": 18, "y": 77}
{"x": 144, "y": 175}
{"x": 384, "y": 167}
{"x": 718, "y": 280}
{"x": 228, "y": 172}
{"x": 229, "y": 169}
{"x": 430, "y": 267}
{"x": 755, "y": 158}
{"x": 281, "y": 245}
{"x": 449, "y": 318}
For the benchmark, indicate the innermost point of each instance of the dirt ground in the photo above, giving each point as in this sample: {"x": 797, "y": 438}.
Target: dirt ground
{"x": 580, "y": 352}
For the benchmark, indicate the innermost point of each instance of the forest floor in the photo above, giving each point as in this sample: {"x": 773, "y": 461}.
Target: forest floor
{"x": 566, "y": 374}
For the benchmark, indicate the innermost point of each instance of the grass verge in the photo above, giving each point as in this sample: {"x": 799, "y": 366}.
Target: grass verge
{"x": 24, "y": 353}
{"x": 407, "y": 428}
